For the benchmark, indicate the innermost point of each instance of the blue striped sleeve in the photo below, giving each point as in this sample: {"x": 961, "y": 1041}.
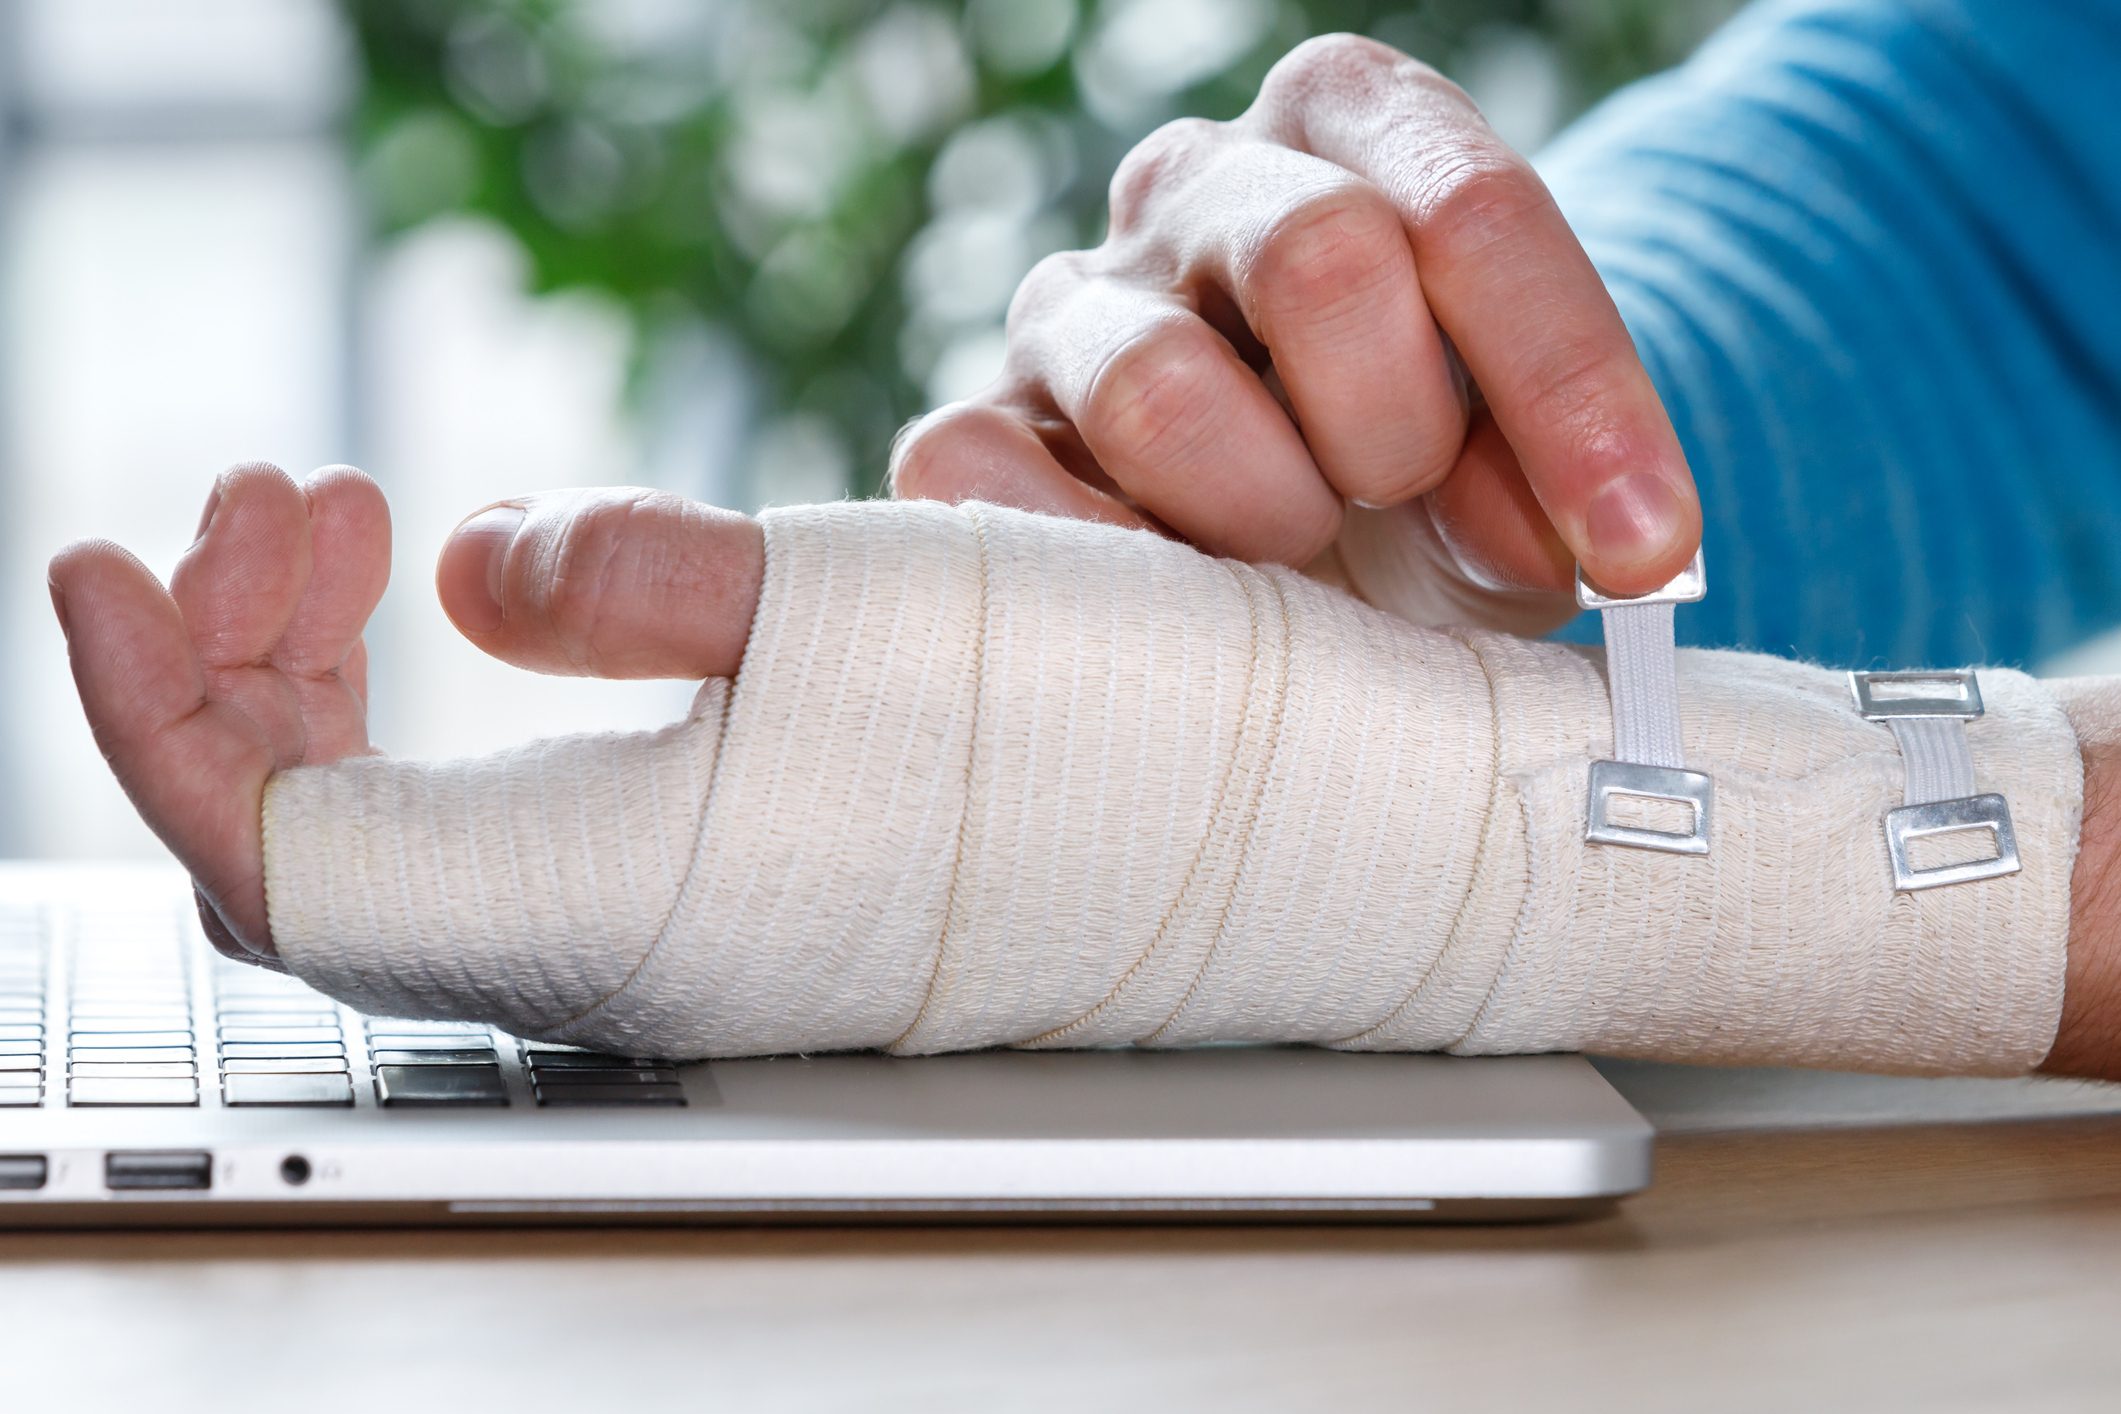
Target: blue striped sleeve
{"x": 1871, "y": 253}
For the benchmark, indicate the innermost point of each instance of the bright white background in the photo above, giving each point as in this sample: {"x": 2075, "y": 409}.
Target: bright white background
{"x": 183, "y": 288}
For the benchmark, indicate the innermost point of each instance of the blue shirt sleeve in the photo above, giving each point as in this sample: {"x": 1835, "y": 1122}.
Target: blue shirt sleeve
{"x": 1871, "y": 253}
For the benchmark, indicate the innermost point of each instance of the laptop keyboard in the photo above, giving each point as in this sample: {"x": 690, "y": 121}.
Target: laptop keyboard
{"x": 131, "y": 1008}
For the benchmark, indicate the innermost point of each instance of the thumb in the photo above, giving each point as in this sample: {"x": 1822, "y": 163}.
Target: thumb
{"x": 614, "y": 583}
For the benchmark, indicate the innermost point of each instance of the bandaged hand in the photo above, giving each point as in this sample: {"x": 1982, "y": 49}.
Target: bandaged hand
{"x": 967, "y": 777}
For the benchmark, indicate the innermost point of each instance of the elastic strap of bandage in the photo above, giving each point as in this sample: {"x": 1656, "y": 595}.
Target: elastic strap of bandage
{"x": 1928, "y": 712}
{"x": 1642, "y": 669}
{"x": 1940, "y": 764}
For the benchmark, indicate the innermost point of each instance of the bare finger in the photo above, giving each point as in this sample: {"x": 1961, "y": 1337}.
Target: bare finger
{"x": 1509, "y": 283}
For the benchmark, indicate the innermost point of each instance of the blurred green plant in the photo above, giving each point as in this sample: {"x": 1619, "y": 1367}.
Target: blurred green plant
{"x": 851, "y": 188}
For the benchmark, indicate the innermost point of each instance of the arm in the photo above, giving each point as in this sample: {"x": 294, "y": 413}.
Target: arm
{"x": 987, "y": 778}
{"x": 1866, "y": 249}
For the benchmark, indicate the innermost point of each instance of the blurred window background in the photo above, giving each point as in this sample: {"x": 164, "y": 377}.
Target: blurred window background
{"x": 481, "y": 247}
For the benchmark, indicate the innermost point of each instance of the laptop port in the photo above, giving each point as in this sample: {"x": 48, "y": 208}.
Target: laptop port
{"x": 22, "y": 1172}
{"x": 158, "y": 1169}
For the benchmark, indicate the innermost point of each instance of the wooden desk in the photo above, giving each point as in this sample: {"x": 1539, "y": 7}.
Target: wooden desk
{"x": 1958, "y": 1266}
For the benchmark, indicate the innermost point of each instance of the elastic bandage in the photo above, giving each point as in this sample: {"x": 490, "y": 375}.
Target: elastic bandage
{"x": 988, "y": 778}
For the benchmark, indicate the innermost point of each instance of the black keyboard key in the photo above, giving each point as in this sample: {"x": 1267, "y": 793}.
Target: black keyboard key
{"x": 563, "y": 1095}
{"x": 21, "y": 1172}
{"x": 460, "y": 1057}
{"x": 589, "y": 1060}
{"x": 422, "y": 1085}
{"x": 661, "y": 1075}
{"x": 243, "y": 1090}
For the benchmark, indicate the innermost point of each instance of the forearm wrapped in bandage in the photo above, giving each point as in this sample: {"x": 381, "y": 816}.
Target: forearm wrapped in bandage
{"x": 994, "y": 779}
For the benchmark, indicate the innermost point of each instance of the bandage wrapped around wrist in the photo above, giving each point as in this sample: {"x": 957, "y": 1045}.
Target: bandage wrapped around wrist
{"x": 988, "y": 778}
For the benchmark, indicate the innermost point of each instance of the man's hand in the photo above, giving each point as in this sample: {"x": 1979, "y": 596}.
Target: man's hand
{"x": 1280, "y": 324}
{"x": 252, "y": 660}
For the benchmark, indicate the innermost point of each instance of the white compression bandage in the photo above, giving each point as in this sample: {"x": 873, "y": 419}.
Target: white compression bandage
{"x": 990, "y": 778}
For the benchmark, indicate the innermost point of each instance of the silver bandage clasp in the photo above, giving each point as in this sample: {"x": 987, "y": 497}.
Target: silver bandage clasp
{"x": 1928, "y": 712}
{"x": 1649, "y": 761}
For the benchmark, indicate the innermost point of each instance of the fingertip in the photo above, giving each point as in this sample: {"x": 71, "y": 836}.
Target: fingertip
{"x": 253, "y": 479}
{"x": 1492, "y": 523}
{"x": 239, "y": 586}
{"x": 1299, "y": 538}
{"x": 342, "y": 485}
{"x": 251, "y": 504}
{"x": 67, "y": 569}
{"x": 1640, "y": 530}
{"x": 86, "y": 569}
{"x": 469, "y": 573}
{"x": 974, "y": 451}
{"x": 74, "y": 557}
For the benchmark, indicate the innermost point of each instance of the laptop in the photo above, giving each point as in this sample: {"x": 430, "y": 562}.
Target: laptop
{"x": 144, "y": 1080}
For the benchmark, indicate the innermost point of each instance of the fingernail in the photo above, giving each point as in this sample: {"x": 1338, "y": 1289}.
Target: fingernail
{"x": 1634, "y": 519}
{"x": 491, "y": 531}
{"x": 206, "y": 517}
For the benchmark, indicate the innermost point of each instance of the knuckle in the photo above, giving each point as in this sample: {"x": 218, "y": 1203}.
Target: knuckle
{"x": 1154, "y": 398}
{"x": 1047, "y": 285}
{"x": 1155, "y": 163}
{"x": 590, "y": 551}
{"x": 1333, "y": 64}
{"x": 1569, "y": 387}
{"x": 1328, "y": 57}
{"x": 1327, "y": 254}
{"x": 1474, "y": 197}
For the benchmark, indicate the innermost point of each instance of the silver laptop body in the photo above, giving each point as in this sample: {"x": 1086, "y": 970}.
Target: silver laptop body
{"x": 143, "y": 1080}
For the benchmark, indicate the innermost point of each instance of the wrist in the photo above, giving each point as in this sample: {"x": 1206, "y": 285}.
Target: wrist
{"x": 2088, "y": 1040}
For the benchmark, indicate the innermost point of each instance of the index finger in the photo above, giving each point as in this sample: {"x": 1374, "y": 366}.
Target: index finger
{"x": 1506, "y": 278}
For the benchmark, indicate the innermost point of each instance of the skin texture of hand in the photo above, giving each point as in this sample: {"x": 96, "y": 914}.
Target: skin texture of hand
{"x": 1280, "y": 325}
{"x": 252, "y": 662}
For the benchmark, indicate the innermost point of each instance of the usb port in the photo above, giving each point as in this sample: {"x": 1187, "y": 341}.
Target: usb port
{"x": 158, "y": 1168}
{"x": 22, "y": 1171}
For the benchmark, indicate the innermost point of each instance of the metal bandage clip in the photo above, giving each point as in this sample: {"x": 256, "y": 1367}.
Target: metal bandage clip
{"x": 1642, "y": 670}
{"x": 1928, "y": 713}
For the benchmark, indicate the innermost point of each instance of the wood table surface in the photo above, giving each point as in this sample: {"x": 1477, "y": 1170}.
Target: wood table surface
{"x": 1956, "y": 1266}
